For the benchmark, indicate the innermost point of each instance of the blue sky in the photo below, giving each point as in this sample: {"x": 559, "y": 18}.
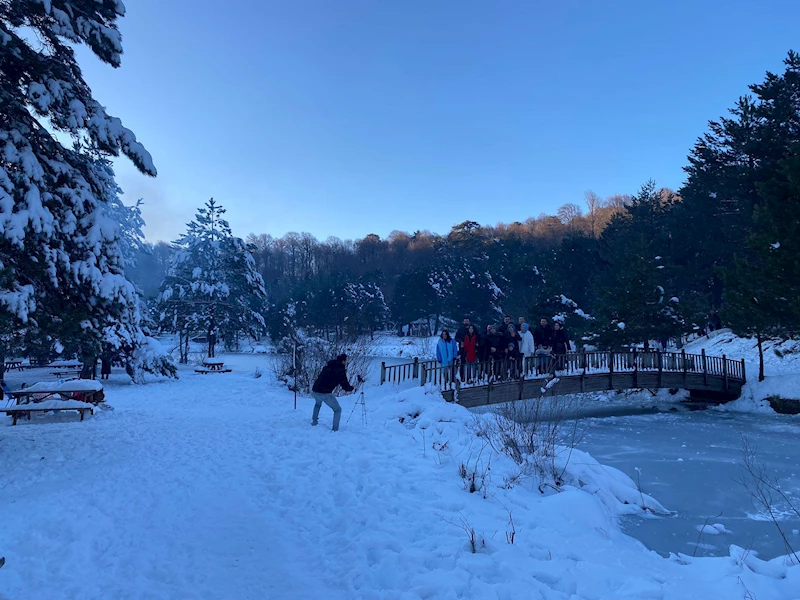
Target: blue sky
{"x": 356, "y": 117}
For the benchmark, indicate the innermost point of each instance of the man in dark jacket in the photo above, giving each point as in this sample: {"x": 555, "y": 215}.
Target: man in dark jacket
{"x": 543, "y": 342}
{"x": 333, "y": 375}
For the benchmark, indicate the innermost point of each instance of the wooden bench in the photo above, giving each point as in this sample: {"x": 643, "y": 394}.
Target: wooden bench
{"x": 26, "y": 409}
{"x": 12, "y": 364}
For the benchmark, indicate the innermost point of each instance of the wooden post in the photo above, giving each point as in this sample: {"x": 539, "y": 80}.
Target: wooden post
{"x": 725, "y": 372}
{"x": 383, "y": 372}
{"x": 423, "y": 376}
{"x": 635, "y": 370}
{"x": 660, "y": 369}
{"x": 583, "y": 373}
{"x": 683, "y": 358}
{"x": 705, "y": 367}
{"x": 744, "y": 376}
{"x": 611, "y": 370}
{"x": 415, "y": 372}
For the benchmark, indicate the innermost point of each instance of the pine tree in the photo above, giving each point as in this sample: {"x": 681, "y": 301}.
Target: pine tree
{"x": 634, "y": 304}
{"x": 213, "y": 286}
{"x": 61, "y": 248}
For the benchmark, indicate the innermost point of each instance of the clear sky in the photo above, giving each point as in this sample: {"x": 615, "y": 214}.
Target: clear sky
{"x": 356, "y": 117}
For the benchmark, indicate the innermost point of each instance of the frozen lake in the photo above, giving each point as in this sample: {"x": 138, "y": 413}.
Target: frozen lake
{"x": 690, "y": 461}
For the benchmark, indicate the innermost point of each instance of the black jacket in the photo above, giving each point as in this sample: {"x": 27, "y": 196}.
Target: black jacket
{"x": 461, "y": 334}
{"x": 543, "y": 336}
{"x": 560, "y": 341}
{"x": 493, "y": 340}
{"x": 332, "y": 375}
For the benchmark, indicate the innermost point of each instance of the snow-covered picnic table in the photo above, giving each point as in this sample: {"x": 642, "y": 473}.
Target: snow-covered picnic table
{"x": 212, "y": 365}
{"x": 66, "y": 364}
{"x": 14, "y": 363}
{"x": 88, "y": 389}
{"x": 41, "y": 397}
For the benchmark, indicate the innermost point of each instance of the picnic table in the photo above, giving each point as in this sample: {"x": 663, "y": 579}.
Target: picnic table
{"x": 212, "y": 365}
{"x": 71, "y": 365}
{"x": 14, "y": 363}
{"x": 69, "y": 373}
{"x": 40, "y": 397}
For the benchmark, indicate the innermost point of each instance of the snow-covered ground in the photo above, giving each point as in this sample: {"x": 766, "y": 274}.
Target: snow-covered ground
{"x": 215, "y": 487}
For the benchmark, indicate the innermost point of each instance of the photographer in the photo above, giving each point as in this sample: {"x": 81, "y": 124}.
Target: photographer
{"x": 333, "y": 375}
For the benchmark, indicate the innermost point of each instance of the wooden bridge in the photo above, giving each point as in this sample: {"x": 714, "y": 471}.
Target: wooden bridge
{"x": 494, "y": 382}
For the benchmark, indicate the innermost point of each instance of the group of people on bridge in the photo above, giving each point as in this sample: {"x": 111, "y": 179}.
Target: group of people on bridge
{"x": 509, "y": 347}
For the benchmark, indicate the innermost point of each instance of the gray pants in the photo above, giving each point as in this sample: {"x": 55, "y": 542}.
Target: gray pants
{"x": 331, "y": 401}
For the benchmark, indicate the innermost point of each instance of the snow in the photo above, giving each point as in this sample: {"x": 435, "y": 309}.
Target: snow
{"x": 168, "y": 497}
{"x": 213, "y": 361}
{"x": 65, "y": 364}
{"x": 715, "y": 529}
{"x": 54, "y": 404}
{"x": 621, "y": 325}
{"x": 76, "y": 385}
{"x": 781, "y": 368}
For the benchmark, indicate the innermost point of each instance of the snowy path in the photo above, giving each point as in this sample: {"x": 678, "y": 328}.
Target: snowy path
{"x": 216, "y": 489}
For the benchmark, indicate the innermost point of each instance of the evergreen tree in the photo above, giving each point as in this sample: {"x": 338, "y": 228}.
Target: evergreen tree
{"x": 213, "y": 286}
{"x": 61, "y": 247}
{"x": 634, "y": 304}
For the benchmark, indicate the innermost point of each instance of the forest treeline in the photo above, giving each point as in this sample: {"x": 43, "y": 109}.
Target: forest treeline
{"x": 622, "y": 269}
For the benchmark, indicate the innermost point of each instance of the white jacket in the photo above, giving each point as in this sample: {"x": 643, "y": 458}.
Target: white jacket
{"x": 526, "y": 346}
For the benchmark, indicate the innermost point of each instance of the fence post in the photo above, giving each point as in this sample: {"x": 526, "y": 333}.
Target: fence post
{"x": 683, "y": 358}
{"x": 415, "y": 370}
{"x": 611, "y": 369}
{"x": 705, "y": 368}
{"x": 660, "y": 369}
{"x": 744, "y": 377}
{"x": 725, "y": 372}
{"x": 423, "y": 376}
{"x": 383, "y": 372}
{"x": 635, "y": 370}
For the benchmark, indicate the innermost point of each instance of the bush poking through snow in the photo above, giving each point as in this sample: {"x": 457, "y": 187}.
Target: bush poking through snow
{"x": 475, "y": 474}
{"x": 314, "y": 353}
{"x": 257, "y": 373}
{"x": 475, "y": 542}
{"x": 534, "y": 433}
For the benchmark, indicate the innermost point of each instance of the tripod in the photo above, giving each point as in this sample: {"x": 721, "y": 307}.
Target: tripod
{"x": 360, "y": 400}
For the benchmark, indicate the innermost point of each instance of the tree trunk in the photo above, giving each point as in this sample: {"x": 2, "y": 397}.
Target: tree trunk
{"x": 760, "y": 358}
{"x": 2, "y": 367}
{"x": 89, "y": 369}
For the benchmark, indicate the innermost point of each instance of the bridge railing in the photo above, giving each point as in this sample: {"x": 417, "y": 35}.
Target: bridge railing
{"x": 571, "y": 363}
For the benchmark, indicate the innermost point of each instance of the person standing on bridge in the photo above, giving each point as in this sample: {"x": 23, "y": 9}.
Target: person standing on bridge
{"x": 333, "y": 375}
{"x": 560, "y": 345}
{"x": 543, "y": 340}
{"x": 446, "y": 354}
{"x": 526, "y": 347}
{"x": 470, "y": 345}
{"x": 460, "y": 335}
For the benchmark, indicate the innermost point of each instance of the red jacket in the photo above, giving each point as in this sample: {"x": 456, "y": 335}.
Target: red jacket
{"x": 471, "y": 347}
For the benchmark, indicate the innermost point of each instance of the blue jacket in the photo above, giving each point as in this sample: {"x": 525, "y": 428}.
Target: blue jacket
{"x": 446, "y": 352}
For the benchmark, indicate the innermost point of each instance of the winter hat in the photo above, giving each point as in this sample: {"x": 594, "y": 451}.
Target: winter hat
{"x": 510, "y": 345}
{"x": 524, "y": 327}
{"x": 342, "y": 357}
